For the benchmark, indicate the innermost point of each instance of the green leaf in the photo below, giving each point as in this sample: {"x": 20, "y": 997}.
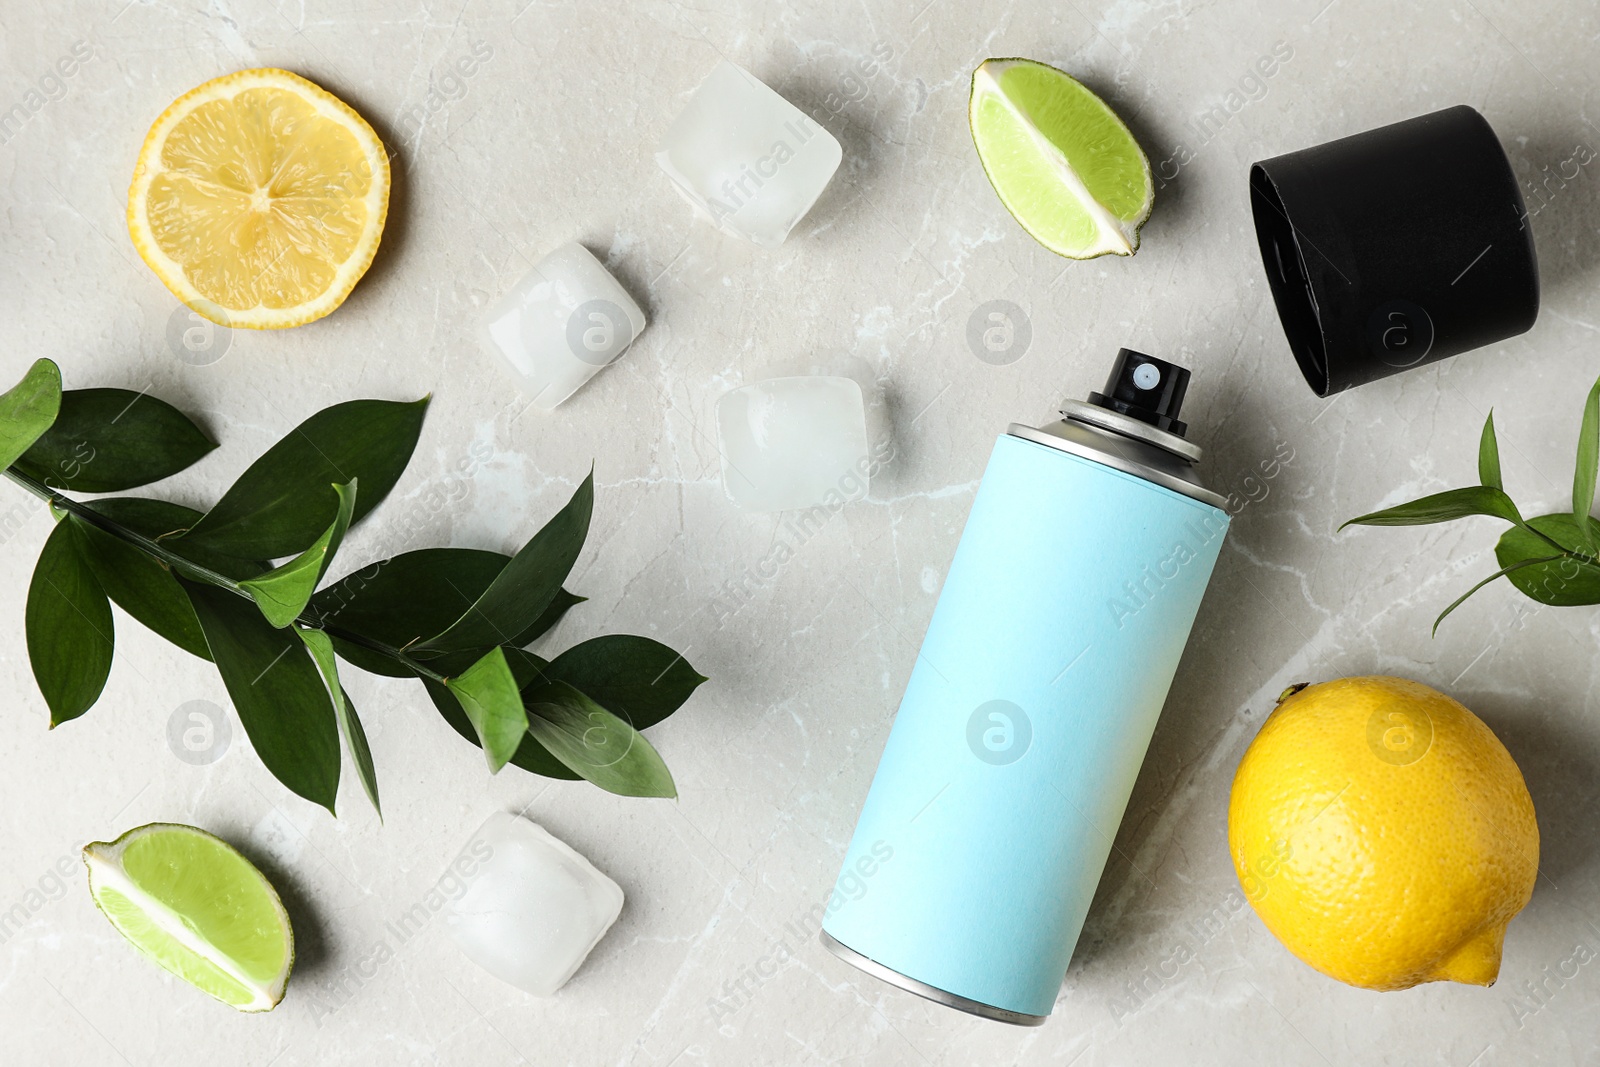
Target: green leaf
{"x": 277, "y": 691}
{"x": 397, "y": 600}
{"x": 284, "y": 500}
{"x": 1583, "y": 473}
{"x": 643, "y": 680}
{"x": 142, "y": 587}
{"x": 401, "y": 600}
{"x": 355, "y": 738}
{"x": 595, "y": 743}
{"x": 521, "y": 593}
{"x": 530, "y": 755}
{"x": 526, "y": 667}
{"x": 370, "y": 661}
{"x": 1489, "y": 456}
{"x": 639, "y": 680}
{"x": 488, "y": 694}
{"x": 551, "y": 615}
{"x": 70, "y": 639}
{"x": 1502, "y": 571}
{"x": 27, "y": 409}
{"x": 283, "y": 593}
{"x": 1565, "y": 583}
{"x": 1443, "y": 507}
{"x": 155, "y": 519}
{"x": 108, "y": 440}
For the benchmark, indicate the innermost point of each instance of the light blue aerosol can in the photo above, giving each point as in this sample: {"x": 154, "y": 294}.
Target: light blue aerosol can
{"x": 1032, "y": 702}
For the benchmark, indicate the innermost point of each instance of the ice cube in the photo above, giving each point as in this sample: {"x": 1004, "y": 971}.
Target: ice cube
{"x": 746, "y": 158}
{"x": 565, "y": 319}
{"x": 532, "y": 908}
{"x": 793, "y": 442}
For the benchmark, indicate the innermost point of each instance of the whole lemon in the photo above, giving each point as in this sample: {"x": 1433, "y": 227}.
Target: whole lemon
{"x": 1383, "y": 833}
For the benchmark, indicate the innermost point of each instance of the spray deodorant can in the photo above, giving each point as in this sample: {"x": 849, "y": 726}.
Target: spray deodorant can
{"x": 1032, "y": 702}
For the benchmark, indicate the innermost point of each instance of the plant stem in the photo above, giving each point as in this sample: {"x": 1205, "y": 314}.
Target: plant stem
{"x": 116, "y": 529}
{"x": 175, "y": 562}
{"x": 370, "y": 645}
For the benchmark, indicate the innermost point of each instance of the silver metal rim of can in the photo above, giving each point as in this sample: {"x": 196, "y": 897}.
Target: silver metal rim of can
{"x": 1106, "y": 419}
{"x": 1192, "y": 490}
{"x": 924, "y": 990}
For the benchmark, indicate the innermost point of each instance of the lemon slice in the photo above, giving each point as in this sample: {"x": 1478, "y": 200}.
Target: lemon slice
{"x": 1064, "y": 165}
{"x": 192, "y": 904}
{"x": 259, "y": 199}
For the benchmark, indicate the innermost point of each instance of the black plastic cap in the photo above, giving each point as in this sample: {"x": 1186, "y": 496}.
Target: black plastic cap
{"x": 1145, "y": 388}
{"x": 1395, "y": 248}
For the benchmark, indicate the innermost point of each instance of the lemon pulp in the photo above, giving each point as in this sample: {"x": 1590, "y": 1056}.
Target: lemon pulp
{"x": 259, "y": 199}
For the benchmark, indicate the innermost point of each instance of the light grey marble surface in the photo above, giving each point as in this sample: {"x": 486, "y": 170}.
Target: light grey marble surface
{"x": 549, "y": 140}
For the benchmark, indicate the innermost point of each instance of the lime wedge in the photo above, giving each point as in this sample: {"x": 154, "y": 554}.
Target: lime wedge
{"x": 191, "y": 903}
{"x": 1064, "y": 165}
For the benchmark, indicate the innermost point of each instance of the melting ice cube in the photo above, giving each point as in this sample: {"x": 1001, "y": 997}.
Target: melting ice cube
{"x": 566, "y": 318}
{"x": 533, "y": 907}
{"x": 791, "y": 442}
{"x": 746, "y": 158}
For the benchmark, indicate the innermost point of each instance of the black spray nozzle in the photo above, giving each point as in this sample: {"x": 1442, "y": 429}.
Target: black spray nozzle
{"x": 1145, "y": 388}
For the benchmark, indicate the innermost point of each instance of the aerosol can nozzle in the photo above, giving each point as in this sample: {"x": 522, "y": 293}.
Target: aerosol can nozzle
{"x": 1145, "y": 388}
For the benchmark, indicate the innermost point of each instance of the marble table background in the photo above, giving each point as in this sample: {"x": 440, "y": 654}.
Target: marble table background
{"x": 549, "y": 140}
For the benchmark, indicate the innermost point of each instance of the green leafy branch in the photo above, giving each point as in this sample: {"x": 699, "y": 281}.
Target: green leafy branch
{"x": 1550, "y": 558}
{"x": 241, "y": 585}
